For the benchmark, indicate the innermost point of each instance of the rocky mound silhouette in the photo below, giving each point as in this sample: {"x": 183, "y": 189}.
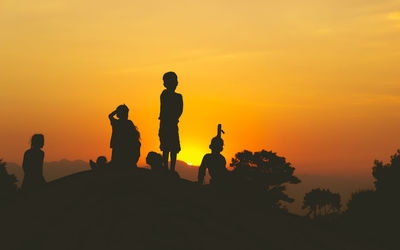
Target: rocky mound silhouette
{"x": 137, "y": 209}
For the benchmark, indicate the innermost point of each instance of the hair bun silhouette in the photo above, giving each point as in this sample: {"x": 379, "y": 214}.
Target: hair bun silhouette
{"x": 217, "y": 143}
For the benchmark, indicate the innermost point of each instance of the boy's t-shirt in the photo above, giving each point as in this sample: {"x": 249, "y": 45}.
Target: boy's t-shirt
{"x": 216, "y": 165}
{"x": 171, "y": 106}
{"x": 33, "y": 162}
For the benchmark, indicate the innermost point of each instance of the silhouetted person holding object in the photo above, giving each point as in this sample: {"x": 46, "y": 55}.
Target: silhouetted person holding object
{"x": 170, "y": 112}
{"x": 100, "y": 164}
{"x": 214, "y": 162}
{"x": 125, "y": 139}
{"x": 33, "y": 164}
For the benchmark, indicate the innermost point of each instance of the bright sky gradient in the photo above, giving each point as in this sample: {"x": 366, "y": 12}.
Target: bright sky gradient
{"x": 316, "y": 81}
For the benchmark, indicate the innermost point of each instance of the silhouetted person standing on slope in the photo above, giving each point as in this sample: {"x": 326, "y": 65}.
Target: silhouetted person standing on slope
{"x": 125, "y": 139}
{"x": 214, "y": 162}
{"x": 170, "y": 112}
{"x": 33, "y": 164}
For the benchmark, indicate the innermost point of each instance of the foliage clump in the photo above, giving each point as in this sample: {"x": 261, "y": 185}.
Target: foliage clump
{"x": 265, "y": 171}
{"x": 8, "y": 183}
{"x": 321, "y": 202}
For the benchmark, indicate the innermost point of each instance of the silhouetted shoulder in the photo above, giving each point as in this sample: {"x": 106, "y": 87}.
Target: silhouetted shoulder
{"x": 214, "y": 157}
{"x": 164, "y": 93}
{"x": 206, "y": 157}
{"x": 36, "y": 152}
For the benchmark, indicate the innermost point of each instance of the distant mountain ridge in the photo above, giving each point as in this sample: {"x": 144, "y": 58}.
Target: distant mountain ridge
{"x": 52, "y": 170}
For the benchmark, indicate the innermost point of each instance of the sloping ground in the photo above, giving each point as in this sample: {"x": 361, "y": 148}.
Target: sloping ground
{"x": 135, "y": 209}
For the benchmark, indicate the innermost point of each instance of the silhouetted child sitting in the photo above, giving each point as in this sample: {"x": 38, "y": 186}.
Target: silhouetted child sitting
{"x": 155, "y": 161}
{"x": 214, "y": 162}
{"x": 100, "y": 164}
{"x": 170, "y": 112}
{"x": 125, "y": 139}
{"x": 33, "y": 164}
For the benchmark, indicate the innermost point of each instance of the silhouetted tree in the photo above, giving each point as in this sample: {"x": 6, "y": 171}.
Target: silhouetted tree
{"x": 321, "y": 202}
{"x": 382, "y": 203}
{"x": 8, "y": 182}
{"x": 378, "y": 209}
{"x": 267, "y": 171}
{"x": 362, "y": 203}
{"x": 387, "y": 175}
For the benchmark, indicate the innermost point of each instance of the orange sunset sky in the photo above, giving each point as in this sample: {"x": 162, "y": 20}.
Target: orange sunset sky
{"x": 316, "y": 81}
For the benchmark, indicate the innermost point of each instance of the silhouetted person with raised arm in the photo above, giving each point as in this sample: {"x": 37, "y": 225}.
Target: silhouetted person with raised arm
{"x": 214, "y": 162}
{"x": 170, "y": 112}
{"x": 125, "y": 139}
{"x": 33, "y": 164}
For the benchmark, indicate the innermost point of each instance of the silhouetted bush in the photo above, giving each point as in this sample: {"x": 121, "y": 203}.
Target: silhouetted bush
{"x": 8, "y": 183}
{"x": 385, "y": 200}
{"x": 321, "y": 202}
{"x": 362, "y": 204}
{"x": 265, "y": 170}
{"x": 387, "y": 175}
{"x": 374, "y": 214}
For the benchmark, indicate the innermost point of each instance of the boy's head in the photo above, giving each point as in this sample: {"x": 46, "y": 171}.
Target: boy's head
{"x": 101, "y": 162}
{"x": 37, "y": 141}
{"x": 154, "y": 160}
{"x": 170, "y": 80}
{"x": 217, "y": 145}
{"x": 122, "y": 112}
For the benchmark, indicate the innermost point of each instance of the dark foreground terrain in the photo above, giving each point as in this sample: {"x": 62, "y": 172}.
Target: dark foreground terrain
{"x": 135, "y": 209}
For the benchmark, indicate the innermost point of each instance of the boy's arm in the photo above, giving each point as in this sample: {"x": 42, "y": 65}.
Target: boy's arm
{"x": 25, "y": 162}
{"x": 92, "y": 164}
{"x": 111, "y": 116}
{"x": 180, "y": 106}
{"x": 161, "y": 105}
{"x": 202, "y": 172}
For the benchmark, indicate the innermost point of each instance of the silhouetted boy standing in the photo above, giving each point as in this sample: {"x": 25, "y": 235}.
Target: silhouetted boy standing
{"x": 170, "y": 112}
{"x": 125, "y": 139}
{"x": 33, "y": 164}
{"x": 214, "y": 162}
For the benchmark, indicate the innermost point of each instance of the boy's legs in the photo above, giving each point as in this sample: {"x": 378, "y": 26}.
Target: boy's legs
{"x": 165, "y": 159}
{"x": 173, "y": 161}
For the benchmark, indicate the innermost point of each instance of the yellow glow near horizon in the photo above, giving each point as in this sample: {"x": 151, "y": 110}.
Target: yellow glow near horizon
{"x": 315, "y": 81}
{"x": 192, "y": 155}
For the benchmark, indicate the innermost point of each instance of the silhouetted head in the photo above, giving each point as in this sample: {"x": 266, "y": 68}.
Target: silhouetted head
{"x": 154, "y": 160}
{"x": 37, "y": 141}
{"x": 170, "y": 80}
{"x": 217, "y": 145}
{"x": 101, "y": 162}
{"x": 122, "y": 111}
